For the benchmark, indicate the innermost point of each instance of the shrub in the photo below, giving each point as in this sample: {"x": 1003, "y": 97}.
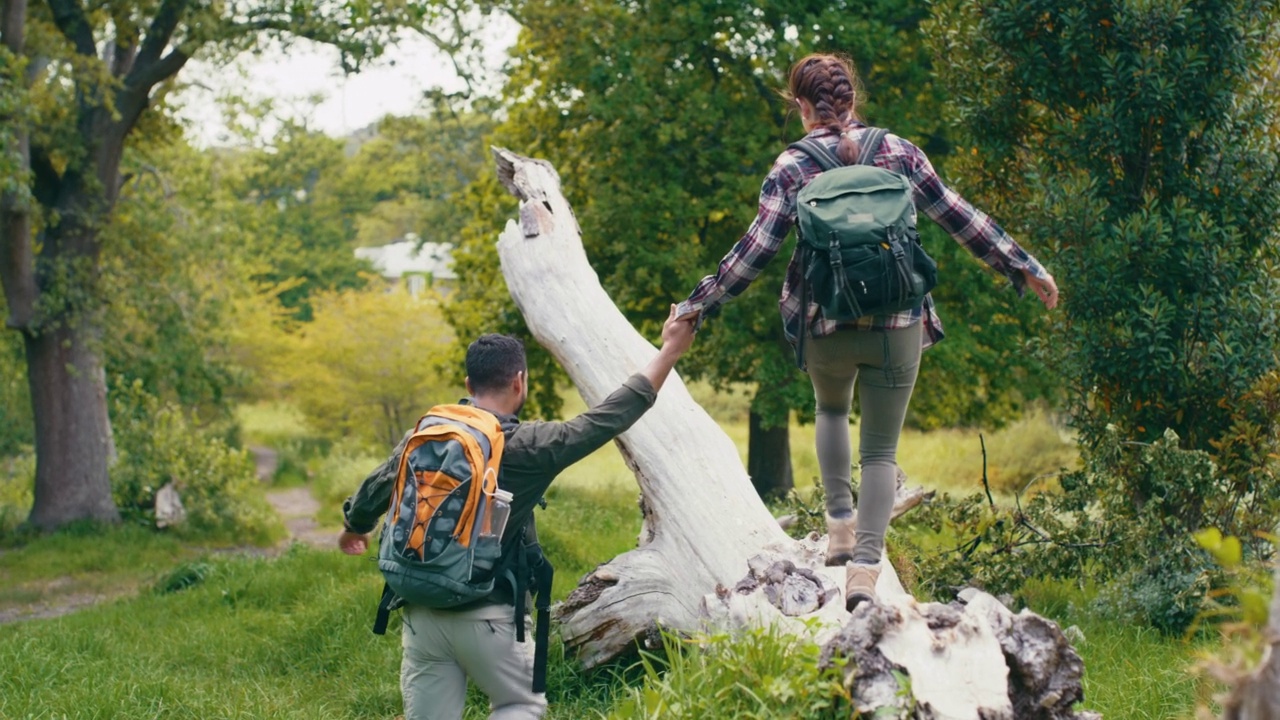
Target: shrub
{"x": 337, "y": 475}
{"x": 1126, "y": 519}
{"x": 761, "y": 674}
{"x": 157, "y": 444}
{"x": 17, "y": 479}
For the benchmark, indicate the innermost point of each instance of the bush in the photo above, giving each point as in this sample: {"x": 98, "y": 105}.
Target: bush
{"x": 369, "y": 364}
{"x": 17, "y": 479}
{"x": 1126, "y": 519}
{"x": 337, "y": 475}
{"x": 761, "y": 674}
{"x": 158, "y": 444}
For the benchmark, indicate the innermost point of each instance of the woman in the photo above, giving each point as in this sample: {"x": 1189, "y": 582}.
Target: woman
{"x": 881, "y": 353}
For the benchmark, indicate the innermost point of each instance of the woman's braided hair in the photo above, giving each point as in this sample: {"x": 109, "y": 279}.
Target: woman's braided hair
{"x": 830, "y": 84}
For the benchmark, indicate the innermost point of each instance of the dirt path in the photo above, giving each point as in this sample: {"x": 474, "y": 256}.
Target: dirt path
{"x": 298, "y": 509}
{"x": 59, "y": 605}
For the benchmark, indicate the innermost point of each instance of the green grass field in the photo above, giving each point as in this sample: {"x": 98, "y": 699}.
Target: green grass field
{"x": 288, "y": 637}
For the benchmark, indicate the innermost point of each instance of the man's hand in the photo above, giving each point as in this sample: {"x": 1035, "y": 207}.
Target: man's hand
{"x": 677, "y": 336}
{"x": 677, "y": 333}
{"x": 353, "y": 543}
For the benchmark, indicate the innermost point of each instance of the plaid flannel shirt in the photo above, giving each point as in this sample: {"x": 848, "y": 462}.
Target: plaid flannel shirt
{"x": 972, "y": 228}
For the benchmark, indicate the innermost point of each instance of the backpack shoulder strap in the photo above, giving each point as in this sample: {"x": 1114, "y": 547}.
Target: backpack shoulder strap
{"x": 871, "y": 145}
{"x": 817, "y": 152}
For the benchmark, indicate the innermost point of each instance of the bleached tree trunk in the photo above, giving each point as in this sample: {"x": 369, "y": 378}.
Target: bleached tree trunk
{"x": 709, "y": 550}
{"x": 702, "y": 517}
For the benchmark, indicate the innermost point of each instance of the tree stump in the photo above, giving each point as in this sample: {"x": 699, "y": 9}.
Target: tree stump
{"x": 709, "y": 554}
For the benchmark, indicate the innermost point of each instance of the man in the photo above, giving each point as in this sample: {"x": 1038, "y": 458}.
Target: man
{"x": 442, "y": 648}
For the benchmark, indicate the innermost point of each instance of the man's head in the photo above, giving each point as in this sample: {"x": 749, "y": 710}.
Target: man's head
{"x": 497, "y": 372}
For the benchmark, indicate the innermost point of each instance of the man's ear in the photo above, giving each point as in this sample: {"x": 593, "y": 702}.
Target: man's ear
{"x": 467, "y": 382}
{"x": 518, "y": 383}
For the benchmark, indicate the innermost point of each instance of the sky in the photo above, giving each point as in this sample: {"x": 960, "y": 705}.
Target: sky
{"x": 394, "y": 84}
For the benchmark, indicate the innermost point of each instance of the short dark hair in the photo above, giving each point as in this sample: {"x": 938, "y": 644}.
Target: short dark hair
{"x": 493, "y": 361}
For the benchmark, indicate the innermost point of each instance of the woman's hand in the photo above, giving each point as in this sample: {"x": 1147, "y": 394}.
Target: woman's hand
{"x": 1045, "y": 287}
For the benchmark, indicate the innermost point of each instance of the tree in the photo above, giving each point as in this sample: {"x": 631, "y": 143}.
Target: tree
{"x": 78, "y": 82}
{"x": 663, "y": 118}
{"x": 410, "y": 176}
{"x": 1141, "y": 138}
{"x": 369, "y": 363}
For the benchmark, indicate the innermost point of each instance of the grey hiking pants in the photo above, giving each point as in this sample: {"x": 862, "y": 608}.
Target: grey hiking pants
{"x": 883, "y": 364}
{"x": 442, "y": 649}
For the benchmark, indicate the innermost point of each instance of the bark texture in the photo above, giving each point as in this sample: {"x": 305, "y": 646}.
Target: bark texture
{"x": 710, "y": 555}
{"x": 930, "y": 661}
{"x": 73, "y": 432}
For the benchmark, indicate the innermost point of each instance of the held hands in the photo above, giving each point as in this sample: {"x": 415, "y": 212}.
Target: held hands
{"x": 353, "y": 543}
{"x": 1045, "y": 288}
{"x": 677, "y": 333}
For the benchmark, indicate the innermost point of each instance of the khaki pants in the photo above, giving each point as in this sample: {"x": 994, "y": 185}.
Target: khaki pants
{"x": 443, "y": 649}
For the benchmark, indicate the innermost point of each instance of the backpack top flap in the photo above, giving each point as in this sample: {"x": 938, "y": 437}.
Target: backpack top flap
{"x": 855, "y": 205}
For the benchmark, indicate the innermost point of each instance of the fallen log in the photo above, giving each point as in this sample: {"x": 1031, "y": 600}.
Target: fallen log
{"x": 709, "y": 551}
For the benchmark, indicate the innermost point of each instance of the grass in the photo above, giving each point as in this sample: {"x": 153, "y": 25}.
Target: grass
{"x": 84, "y": 560}
{"x": 289, "y": 637}
{"x": 256, "y": 638}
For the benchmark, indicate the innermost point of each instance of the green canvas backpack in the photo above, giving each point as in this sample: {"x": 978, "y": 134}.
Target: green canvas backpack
{"x": 856, "y": 228}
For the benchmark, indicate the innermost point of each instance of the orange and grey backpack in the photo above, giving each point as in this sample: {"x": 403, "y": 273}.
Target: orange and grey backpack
{"x": 442, "y": 539}
{"x": 440, "y": 546}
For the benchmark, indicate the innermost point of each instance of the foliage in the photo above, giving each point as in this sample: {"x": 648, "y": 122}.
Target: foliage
{"x": 662, "y": 119}
{"x": 1151, "y": 165}
{"x": 758, "y": 674}
{"x": 369, "y": 364}
{"x": 82, "y": 85}
{"x": 1240, "y": 612}
{"x": 302, "y": 228}
{"x": 15, "y": 397}
{"x": 159, "y": 444}
{"x": 1123, "y": 518}
{"x": 408, "y": 179}
{"x": 17, "y": 473}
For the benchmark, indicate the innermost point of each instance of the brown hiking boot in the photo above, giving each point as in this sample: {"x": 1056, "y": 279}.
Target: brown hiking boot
{"x": 859, "y": 585}
{"x": 840, "y": 538}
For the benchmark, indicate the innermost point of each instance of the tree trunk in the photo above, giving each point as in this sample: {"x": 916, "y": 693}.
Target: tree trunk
{"x": 73, "y": 431}
{"x": 711, "y": 556}
{"x": 769, "y": 458}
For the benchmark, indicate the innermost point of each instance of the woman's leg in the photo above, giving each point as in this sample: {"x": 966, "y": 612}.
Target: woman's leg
{"x": 884, "y": 390}
{"x": 833, "y": 372}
